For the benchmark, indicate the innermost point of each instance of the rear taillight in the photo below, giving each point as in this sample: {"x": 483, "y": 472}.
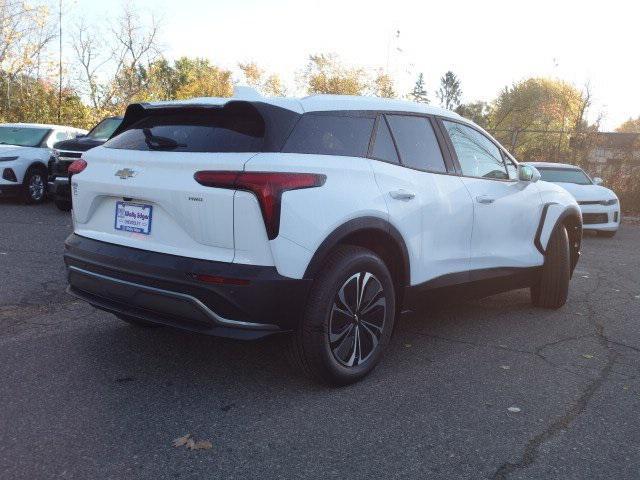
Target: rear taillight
{"x": 77, "y": 166}
{"x": 267, "y": 187}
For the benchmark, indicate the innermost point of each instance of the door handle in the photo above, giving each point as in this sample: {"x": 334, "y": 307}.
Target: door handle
{"x": 485, "y": 199}
{"x": 402, "y": 195}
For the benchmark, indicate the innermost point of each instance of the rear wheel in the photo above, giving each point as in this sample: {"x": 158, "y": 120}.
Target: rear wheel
{"x": 552, "y": 289}
{"x": 607, "y": 233}
{"x": 137, "y": 322}
{"x": 35, "y": 185}
{"x": 348, "y": 320}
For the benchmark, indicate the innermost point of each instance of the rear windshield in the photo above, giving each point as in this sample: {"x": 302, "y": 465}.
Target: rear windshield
{"x": 235, "y": 128}
{"x": 331, "y": 135}
{"x": 564, "y": 175}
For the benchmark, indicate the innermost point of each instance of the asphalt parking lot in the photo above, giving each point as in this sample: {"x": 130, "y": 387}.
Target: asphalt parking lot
{"x": 83, "y": 395}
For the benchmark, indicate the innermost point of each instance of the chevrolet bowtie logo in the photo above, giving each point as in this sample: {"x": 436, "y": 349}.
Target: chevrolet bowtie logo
{"x": 125, "y": 173}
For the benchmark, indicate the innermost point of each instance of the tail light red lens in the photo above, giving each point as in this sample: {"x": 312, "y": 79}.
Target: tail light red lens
{"x": 266, "y": 186}
{"x": 77, "y": 166}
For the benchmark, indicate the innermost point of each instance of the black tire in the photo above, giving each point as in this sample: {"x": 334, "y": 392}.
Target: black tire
{"x": 340, "y": 362}
{"x": 607, "y": 233}
{"x": 35, "y": 186}
{"x": 137, "y": 322}
{"x": 553, "y": 287}
{"x": 63, "y": 205}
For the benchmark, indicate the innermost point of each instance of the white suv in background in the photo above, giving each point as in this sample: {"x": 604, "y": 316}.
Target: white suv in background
{"x": 25, "y": 151}
{"x": 600, "y": 206}
{"x": 317, "y": 217}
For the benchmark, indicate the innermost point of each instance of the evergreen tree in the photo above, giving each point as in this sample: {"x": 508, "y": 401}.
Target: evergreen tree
{"x": 450, "y": 92}
{"x": 419, "y": 94}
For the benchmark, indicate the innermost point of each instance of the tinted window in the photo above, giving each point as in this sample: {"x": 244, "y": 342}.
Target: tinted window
{"x": 417, "y": 143}
{"x": 383, "y": 148}
{"x": 478, "y": 156}
{"x": 331, "y": 135}
{"x": 564, "y": 175}
{"x": 237, "y": 128}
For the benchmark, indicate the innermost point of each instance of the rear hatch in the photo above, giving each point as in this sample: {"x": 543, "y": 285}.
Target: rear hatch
{"x": 138, "y": 190}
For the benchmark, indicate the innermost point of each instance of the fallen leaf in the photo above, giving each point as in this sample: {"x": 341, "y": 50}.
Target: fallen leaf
{"x": 585, "y": 276}
{"x": 514, "y": 409}
{"x": 190, "y": 444}
{"x": 408, "y": 345}
{"x": 505, "y": 367}
{"x": 587, "y": 356}
{"x": 202, "y": 445}
{"x": 180, "y": 441}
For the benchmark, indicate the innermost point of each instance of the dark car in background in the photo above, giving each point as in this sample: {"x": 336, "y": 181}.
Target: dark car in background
{"x": 69, "y": 150}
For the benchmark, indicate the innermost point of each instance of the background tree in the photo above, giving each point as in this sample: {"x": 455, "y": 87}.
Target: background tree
{"x": 536, "y": 118}
{"x": 449, "y": 92}
{"x": 630, "y": 126}
{"x": 383, "y": 85}
{"x": 419, "y": 94}
{"x": 113, "y": 67}
{"x": 325, "y": 73}
{"x": 478, "y": 112}
{"x": 269, "y": 85}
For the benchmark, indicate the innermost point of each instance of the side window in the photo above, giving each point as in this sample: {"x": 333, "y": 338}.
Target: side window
{"x": 383, "y": 147}
{"x": 60, "y": 135}
{"x": 331, "y": 135}
{"x": 417, "y": 142}
{"x": 478, "y": 156}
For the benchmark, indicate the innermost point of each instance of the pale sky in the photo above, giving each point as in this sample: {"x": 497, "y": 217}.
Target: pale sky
{"x": 488, "y": 43}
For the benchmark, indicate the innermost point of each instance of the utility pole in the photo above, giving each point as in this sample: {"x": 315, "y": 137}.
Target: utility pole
{"x": 60, "y": 62}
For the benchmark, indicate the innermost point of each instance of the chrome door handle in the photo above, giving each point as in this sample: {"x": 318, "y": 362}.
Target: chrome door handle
{"x": 485, "y": 199}
{"x": 402, "y": 195}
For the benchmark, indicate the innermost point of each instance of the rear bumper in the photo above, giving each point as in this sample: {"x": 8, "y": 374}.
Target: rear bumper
{"x": 160, "y": 288}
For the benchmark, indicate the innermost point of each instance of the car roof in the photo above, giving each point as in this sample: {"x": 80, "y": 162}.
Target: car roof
{"x": 316, "y": 103}
{"x": 553, "y": 165}
{"x": 39, "y": 125}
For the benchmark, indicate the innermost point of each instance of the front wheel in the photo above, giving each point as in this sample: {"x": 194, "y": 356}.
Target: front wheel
{"x": 35, "y": 186}
{"x": 552, "y": 289}
{"x": 348, "y": 320}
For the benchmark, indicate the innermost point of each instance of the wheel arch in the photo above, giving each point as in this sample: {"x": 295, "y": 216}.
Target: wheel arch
{"x": 554, "y": 214}
{"x": 375, "y": 234}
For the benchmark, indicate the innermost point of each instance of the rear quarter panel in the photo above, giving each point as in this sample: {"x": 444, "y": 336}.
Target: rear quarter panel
{"x": 308, "y": 216}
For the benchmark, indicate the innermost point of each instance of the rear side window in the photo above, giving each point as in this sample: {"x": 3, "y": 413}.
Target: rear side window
{"x": 237, "y": 128}
{"x": 383, "y": 148}
{"x": 417, "y": 143}
{"x": 331, "y": 135}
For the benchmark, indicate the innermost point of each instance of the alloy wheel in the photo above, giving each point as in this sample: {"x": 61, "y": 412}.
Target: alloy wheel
{"x": 357, "y": 319}
{"x": 36, "y": 187}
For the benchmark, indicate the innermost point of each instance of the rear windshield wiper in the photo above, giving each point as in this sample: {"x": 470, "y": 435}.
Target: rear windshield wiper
{"x": 155, "y": 142}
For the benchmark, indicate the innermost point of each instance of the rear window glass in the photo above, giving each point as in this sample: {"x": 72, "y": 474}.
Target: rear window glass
{"x": 238, "y": 128}
{"x": 417, "y": 143}
{"x": 331, "y": 135}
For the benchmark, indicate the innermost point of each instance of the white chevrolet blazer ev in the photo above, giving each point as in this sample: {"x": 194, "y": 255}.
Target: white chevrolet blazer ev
{"x": 318, "y": 218}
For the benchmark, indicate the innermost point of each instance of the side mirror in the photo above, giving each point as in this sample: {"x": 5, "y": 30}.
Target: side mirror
{"x": 597, "y": 181}
{"x": 527, "y": 173}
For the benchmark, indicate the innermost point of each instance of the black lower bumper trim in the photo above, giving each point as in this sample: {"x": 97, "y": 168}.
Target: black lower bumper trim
{"x": 160, "y": 288}
{"x": 10, "y": 190}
